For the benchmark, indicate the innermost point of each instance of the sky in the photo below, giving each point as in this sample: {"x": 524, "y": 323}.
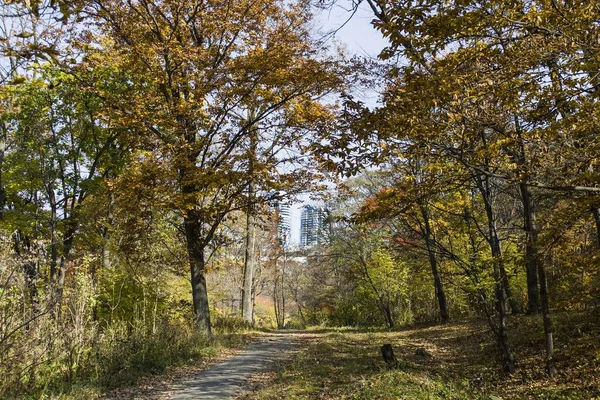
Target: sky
{"x": 358, "y": 37}
{"x": 357, "y": 33}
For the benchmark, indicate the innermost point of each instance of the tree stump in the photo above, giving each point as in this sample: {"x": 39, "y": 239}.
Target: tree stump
{"x": 388, "y": 356}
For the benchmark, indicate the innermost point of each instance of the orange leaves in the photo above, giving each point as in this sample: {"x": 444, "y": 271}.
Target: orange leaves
{"x": 386, "y": 203}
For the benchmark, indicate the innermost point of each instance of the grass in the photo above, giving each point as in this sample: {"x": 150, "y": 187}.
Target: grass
{"x": 346, "y": 364}
{"x": 148, "y": 376}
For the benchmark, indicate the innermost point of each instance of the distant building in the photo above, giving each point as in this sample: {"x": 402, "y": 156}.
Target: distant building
{"x": 283, "y": 227}
{"x": 283, "y": 223}
{"x": 312, "y": 225}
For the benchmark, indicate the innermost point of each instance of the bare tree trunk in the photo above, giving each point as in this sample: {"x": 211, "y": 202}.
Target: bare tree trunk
{"x": 195, "y": 248}
{"x": 502, "y": 335}
{"x": 279, "y": 293}
{"x": 249, "y": 260}
{"x": 283, "y": 292}
{"x": 596, "y": 213}
{"x": 277, "y": 303}
{"x": 499, "y": 276}
{"x": 387, "y": 312}
{"x": 250, "y": 256}
{"x": 534, "y": 261}
{"x": 548, "y": 339}
{"x": 53, "y": 240}
{"x": 106, "y": 256}
{"x": 68, "y": 238}
{"x": 531, "y": 250}
{"x": 439, "y": 288}
{"x": 514, "y": 306}
{"x": 2, "y": 190}
{"x": 301, "y": 313}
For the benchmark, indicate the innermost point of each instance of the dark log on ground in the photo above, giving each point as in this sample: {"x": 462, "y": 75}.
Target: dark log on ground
{"x": 388, "y": 356}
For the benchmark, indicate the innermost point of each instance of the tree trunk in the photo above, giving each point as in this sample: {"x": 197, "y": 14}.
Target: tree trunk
{"x": 22, "y": 246}
{"x": 247, "y": 309}
{"x": 195, "y": 248}
{"x": 277, "y": 303}
{"x": 548, "y": 339}
{"x": 53, "y": 240}
{"x": 301, "y": 313}
{"x": 531, "y": 250}
{"x": 283, "y": 292}
{"x": 499, "y": 275}
{"x": 535, "y": 262}
{"x": 2, "y": 190}
{"x": 596, "y": 213}
{"x": 279, "y": 294}
{"x": 68, "y": 238}
{"x": 250, "y": 256}
{"x": 106, "y": 256}
{"x": 502, "y": 335}
{"x": 298, "y": 302}
{"x": 439, "y": 288}
{"x": 388, "y": 316}
{"x": 496, "y": 249}
{"x": 500, "y": 294}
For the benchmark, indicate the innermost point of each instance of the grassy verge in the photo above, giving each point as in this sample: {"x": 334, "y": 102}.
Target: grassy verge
{"x": 148, "y": 370}
{"x": 346, "y": 364}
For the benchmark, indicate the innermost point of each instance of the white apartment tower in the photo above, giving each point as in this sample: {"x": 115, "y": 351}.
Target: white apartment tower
{"x": 312, "y": 224}
{"x": 283, "y": 223}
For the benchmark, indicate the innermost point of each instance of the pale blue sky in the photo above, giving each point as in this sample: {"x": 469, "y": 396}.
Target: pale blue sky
{"x": 358, "y": 37}
{"x": 357, "y": 34}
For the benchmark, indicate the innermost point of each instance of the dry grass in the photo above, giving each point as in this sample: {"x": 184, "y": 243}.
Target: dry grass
{"x": 157, "y": 386}
{"x": 346, "y": 364}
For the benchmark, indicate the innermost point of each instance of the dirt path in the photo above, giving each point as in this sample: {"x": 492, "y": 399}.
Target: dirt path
{"x": 231, "y": 377}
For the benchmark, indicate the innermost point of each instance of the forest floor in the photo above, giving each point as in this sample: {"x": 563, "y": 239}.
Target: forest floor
{"x": 459, "y": 362}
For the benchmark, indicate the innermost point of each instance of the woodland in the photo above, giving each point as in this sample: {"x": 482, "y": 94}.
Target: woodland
{"x": 146, "y": 144}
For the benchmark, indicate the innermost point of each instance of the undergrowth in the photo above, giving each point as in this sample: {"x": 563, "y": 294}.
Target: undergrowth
{"x": 120, "y": 355}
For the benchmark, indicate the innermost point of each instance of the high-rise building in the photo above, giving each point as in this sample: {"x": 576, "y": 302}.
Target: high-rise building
{"x": 283, "y": 225}
{"x": 282, "y": 213}
{"x": 312, "y": 223}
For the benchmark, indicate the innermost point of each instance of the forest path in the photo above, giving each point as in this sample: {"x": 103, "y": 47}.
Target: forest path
{"x": 233, "y": 376}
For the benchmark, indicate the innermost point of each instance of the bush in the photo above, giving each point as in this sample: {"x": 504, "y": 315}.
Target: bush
{"x": 50, "y": 347}
{"x": 223, "y": 324}
{"x": 127, "y": 351}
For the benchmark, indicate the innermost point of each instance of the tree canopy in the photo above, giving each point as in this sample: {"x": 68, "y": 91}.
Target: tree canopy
{"x": 150, "y": 150}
